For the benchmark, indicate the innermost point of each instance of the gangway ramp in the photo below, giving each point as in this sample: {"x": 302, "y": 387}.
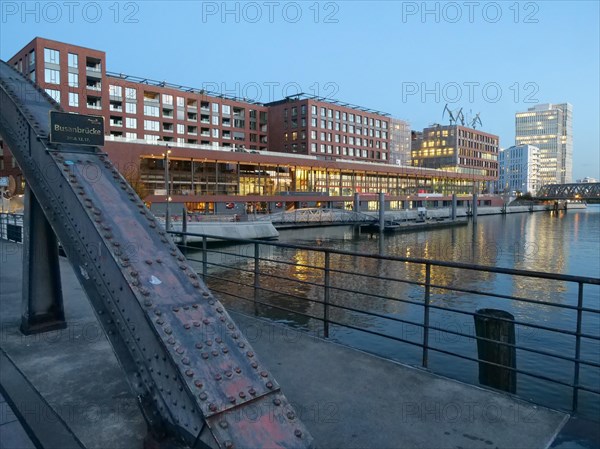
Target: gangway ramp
{"x": 182, "y": 354}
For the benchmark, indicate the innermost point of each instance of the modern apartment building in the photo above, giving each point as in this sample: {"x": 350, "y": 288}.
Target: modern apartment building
{"x": 137, "y": 108}
{"x": 400, "y": 142}
{"x": 328, "y": 129}
{"x": 519, "y": 169}
{"x": 550, "y": 128}
{"x": 457, "y": 148}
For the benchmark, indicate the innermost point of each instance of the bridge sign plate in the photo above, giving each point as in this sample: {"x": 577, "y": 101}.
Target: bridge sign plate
{"x": 76, "y": 129}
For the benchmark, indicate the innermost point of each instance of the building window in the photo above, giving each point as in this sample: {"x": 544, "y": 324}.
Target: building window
{"x": 115, "y": 91}
{"x": 180, "y": 129}
{"x": 322, "y": 148}
{"x": 51, "y": 56}
{"x": 323, "y": 112}
{"x": 226, "y": 109}
{"x": 167, "y": 99}
{"x": 313, "y": 134}
{"x": 313, "y": 110}
{"x": 215, "y": 133}
{"x": 313, "y": 122}
{"x": 303, "y": 109}
{"x": 323, "y": 124}
{"x": 215, "y": 120}
{"x": 32, "y": 58}
{"x": 294, "y": 111}
{"x": 130, "y": 93}
{"x": 55, "y": 94}
{"x": 73, "y": 80}
{"x": 131, "y": 135}
{"x": 151, "y": 137}
{"x": 337, "y": 115}
{"x": 74, "y": 99}
{"x": 313, "y": 147}
{"x": 215, "y": 108}
{"x": 73, "y": 61}
{"x": 151, "y": 111}
{"x": 130, "y": 122}
{"x": 180, "y": 102}
{"x": 131, "y": 108}
{"x": 330, "y": 113}
{"x": 32, "y": 76}
{"x": 52, "y": 76}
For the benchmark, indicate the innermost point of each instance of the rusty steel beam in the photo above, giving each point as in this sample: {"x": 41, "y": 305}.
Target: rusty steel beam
{"x": 198, "y": 380}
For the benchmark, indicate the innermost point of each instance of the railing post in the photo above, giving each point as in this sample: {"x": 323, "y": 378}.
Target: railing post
{"x": 577, "y": 347}
{"x": 204, "y": 259}
{"x": 326, "y": 282}
{"x": 426, "y": 315}
{"x": 256, "y": 276}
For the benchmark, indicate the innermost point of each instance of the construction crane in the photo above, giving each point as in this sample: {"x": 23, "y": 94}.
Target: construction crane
{"x": 475, "y": 121}
{"x": 452, "y": 118}
{"x": 460, "y": 116}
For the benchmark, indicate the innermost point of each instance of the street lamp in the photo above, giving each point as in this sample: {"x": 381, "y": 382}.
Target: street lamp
{"x": 167, "y": 190}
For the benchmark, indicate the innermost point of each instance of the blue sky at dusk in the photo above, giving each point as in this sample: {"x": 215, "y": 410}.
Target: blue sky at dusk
{"x": 405, "y": 58}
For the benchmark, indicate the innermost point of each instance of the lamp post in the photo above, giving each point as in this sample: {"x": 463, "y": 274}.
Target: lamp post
{"x": 167, "y": 189}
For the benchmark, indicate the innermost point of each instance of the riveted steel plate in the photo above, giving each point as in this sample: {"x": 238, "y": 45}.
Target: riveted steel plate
{"x": 219, "y": 365}
{"x": 267, "y": 422}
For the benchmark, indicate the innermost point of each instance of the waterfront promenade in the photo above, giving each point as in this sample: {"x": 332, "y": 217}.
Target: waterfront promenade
{"x": 346, "y": 398}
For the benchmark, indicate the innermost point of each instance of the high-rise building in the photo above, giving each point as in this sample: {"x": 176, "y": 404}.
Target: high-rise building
{"x": 457, "y": 148}
{"x": 550, "y": 128}
{"x": 400, "y": 142}
{"x": 519, "y": 169}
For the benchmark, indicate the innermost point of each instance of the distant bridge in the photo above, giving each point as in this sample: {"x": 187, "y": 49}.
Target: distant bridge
{"x": 579, "y": 191}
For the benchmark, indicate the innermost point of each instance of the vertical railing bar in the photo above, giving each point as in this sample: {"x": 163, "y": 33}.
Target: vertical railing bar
{"x": 256, "y": 276}
{"x": 326, "y": 282}
{"x": 204, "y": 259}
{"x": 577, "y": 348}
{"x": 425, "y": 361}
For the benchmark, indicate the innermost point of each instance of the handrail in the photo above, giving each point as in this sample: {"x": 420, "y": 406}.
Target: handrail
{"x": 323, "y": 309}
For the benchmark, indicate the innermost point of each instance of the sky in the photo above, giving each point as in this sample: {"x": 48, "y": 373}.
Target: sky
{"x": 406, "y": 58}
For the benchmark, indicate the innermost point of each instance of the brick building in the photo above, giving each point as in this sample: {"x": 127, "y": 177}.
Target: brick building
{"x": 328, "y": 129}
{"x": 457, "y": 148}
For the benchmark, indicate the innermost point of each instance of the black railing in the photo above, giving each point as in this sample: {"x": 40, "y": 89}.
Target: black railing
{"x": 254, "y": 269}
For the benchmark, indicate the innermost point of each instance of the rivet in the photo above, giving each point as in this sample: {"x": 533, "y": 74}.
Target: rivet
{"x": 187, "y": 326}
{"x": 168, "y": 331}
{"x": 277, "y": 401}
{"x": 198, "y": 345}
{"x": 238, "y": 369}
{"x": 189, "y": 373}
{"x": 196, "y": 323}
{"x": 242, "y": 394}
{"x": 175, "y": 309}
{"x": 298, "y": 433}
{"x": 218, "y": 377}
{"x": 212, "y": 407}
{"x": 205, "y": 355}
{"x": 198, "y": 384}
{"x": 206, "y": 321}
{"x": 203, "y": 396}
{"x": 228, "y": 373}
{"x": 180, "y": 350}
{"x": 206, "y": 294}
{"x": 208, "y": 343}
{"x": 185, "y": 361}
{"x": 231, "y": 399}
{"x": 228, "y": 444}
{"x": 290, "y": 415}
{"x": 195, "y": 306}
{"x": 149, "y": 262}
{"x": 250, "y": 354}
{"x": 225, "y": 350}
{"x": 264, "y": 373}
{"x": 223, "y": 424}
{"x": 215, "y": 353}
{"x": 252, "y": 391}
{"x": 270, "y": 385}
{"x": 171, "y": 341}
{"x": 254, "y": 365}
{"x": 241, "y": 344}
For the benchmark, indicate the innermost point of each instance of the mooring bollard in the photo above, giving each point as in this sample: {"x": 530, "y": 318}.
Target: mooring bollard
{"x": 499, "y": 326}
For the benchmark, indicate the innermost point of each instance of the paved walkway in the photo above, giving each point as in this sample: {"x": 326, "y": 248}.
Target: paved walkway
{"x": 347, "y": 398}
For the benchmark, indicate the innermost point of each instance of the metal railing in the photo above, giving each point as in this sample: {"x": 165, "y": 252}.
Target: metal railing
{"x": 260, "y": 277}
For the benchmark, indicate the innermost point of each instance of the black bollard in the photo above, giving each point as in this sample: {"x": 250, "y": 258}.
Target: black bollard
{"x": 499, "y": 326}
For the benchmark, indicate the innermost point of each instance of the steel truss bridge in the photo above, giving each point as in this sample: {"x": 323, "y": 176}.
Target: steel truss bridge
{"x": 579, "y": 191}
{"x": 197, "y": 378}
